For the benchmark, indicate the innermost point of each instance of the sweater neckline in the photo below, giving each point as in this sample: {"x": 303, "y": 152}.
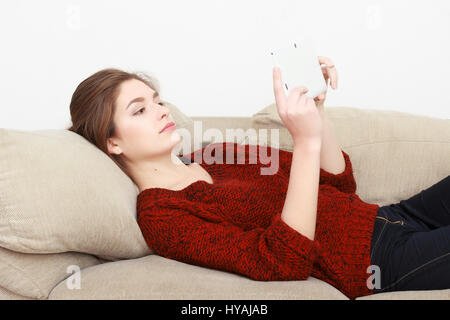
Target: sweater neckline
{"x": 216, "y": 171}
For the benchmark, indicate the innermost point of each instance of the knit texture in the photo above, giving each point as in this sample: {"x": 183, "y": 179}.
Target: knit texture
{"x": 235, "y": 224}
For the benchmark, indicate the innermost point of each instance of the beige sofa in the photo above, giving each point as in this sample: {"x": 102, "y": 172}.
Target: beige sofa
{"x": 67, "y": 213}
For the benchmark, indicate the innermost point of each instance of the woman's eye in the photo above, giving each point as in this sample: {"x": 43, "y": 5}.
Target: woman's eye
{"x": 139, "y": 111}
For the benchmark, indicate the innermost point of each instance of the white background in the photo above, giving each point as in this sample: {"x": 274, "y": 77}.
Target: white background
{"x": 211, "y": 57}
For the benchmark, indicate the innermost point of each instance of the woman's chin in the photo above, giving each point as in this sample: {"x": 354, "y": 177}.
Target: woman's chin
{"x": 175, "y": 137}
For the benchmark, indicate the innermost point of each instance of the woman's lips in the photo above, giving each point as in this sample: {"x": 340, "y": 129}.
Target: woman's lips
{"x": 169, "y": 126}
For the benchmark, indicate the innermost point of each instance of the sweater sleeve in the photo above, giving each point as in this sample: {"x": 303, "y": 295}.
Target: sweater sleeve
{"x": 344, "y": 181}
{"x": 275, "y": 253}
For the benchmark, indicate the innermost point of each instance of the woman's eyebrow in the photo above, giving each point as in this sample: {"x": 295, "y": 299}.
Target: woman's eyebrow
{"x": 140, "y": 99}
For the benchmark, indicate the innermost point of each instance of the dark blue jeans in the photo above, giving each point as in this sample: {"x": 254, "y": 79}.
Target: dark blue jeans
{"x": 411, "y": 241}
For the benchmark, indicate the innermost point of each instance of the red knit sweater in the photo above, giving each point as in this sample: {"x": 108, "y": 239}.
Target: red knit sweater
{"x": 235, "y": 224}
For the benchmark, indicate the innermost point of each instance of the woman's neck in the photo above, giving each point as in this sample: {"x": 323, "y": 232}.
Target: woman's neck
{"x": 169, "y": 174}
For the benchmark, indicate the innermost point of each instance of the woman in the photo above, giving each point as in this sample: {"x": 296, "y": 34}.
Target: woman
{"x": 302, "y": 220}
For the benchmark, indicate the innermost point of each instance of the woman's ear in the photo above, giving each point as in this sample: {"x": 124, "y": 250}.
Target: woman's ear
{"x": 113, "y": 148}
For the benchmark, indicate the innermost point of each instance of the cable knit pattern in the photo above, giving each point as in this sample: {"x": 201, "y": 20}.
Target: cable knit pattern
{"x": 235, "y": 224}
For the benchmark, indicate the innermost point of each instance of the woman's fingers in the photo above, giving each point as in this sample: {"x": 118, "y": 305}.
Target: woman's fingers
{"x": 320, "y": 97}
{"x": 280, "y": 96}
{"x": 296, "y": 94}
{"x": 278, "y": 90}
{"x": 330, "y": 70}
{"x": 325, "y": 74}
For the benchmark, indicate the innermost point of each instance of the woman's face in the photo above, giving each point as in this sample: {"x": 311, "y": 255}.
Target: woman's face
{"x": 139, "y": 117}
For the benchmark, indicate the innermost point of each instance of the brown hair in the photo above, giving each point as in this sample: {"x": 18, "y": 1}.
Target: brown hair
{"x": 93, "y": 105}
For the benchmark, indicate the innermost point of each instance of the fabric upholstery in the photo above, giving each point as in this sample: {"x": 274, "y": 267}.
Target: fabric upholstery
{"x": 155, "y": 277}
{"x": 60, "y": 193}
{"x": 35, "y": 275}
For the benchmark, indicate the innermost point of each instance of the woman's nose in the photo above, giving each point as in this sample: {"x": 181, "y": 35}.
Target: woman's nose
{"x": 166, "y": 112}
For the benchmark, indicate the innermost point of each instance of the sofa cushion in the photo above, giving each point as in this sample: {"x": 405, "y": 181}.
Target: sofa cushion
{"x": 156, "y": 277}
{"x": 394, "y": 154}
{"x": 5, "y": 294}
{"x": 35, "y": 275}
{"x": 60, "y": 193}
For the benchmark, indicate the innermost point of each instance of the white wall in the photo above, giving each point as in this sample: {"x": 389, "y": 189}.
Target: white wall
{"x": 211, "y": 57}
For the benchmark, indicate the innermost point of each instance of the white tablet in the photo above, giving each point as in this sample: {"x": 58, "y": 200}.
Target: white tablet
{"x": 299, "y": 65}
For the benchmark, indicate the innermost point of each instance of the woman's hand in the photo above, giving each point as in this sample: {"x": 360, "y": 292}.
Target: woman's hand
{"x": 298, "y": 113}
{"x": 329, "y": 72}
